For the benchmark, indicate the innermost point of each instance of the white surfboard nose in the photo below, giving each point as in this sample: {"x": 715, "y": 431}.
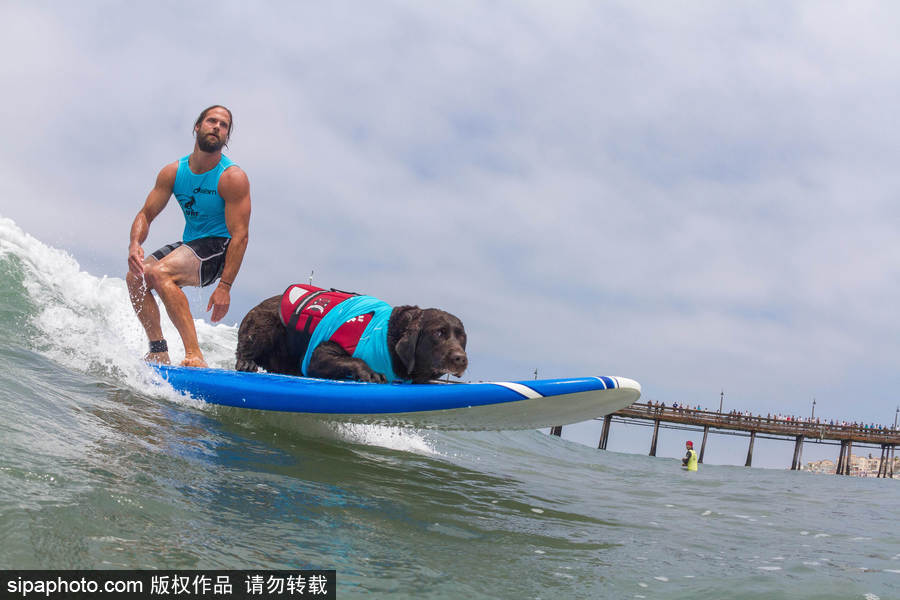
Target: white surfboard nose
{"x": 624, "y": 382}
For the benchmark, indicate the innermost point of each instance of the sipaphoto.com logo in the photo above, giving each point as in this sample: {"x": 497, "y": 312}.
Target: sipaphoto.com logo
{"x": 69, "y": 585}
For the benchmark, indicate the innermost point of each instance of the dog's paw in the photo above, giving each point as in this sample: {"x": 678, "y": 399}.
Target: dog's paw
{"x": 246, "y": 365}
{"x": 366, "y": 376}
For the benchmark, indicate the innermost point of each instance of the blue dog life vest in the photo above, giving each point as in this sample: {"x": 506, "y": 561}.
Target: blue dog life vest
{"x": 198, "y": 195}
{"x": 357, "y": 323}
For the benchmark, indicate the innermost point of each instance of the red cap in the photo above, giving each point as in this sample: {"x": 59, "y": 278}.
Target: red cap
{"x": 690, "y": 443}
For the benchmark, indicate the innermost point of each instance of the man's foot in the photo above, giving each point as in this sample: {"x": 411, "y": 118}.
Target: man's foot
{"x": 194, "y": 361}
{"x": 161, "y": 358}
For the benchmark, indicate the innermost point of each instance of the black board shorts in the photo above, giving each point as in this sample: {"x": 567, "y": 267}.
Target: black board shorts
{"x": 210, "y": 251}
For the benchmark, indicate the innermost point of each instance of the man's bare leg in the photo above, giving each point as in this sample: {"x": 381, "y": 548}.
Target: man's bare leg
{"x": 179, "y": 268}
{"x": 179, "y": 311}
{"x": 147, "y": 312}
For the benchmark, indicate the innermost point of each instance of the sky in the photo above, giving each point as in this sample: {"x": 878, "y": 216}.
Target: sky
{"x": 699, "y": 196}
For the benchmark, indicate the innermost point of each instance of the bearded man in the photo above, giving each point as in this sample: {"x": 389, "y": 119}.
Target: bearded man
{"x": 214, "y": 195}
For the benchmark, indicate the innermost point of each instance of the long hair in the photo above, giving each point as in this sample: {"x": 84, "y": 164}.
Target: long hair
{"x": 203, "y": 116}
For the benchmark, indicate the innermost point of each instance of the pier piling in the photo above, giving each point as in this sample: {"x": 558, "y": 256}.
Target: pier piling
{"x": 703, "y": 446}
{"x": 797, "y": 463}
{"x": 843, "y": 466}
{"x": 839, "y": 467}
{"x": 604, "y": 435}
{"x": 655, "y": 437}
{"x": 849, "y": 455}
{"x": 750, "y": 449}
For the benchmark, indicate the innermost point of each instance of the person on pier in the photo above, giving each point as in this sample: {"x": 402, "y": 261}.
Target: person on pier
{"x": 689, "y": 461}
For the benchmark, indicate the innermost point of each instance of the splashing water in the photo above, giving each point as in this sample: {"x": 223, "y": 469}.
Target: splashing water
{"x": 87, "y": 324}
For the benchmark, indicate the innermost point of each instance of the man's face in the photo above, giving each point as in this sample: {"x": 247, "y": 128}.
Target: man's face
{"x": 212, "y": 133}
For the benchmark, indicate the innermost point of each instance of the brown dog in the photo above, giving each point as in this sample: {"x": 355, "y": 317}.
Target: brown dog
{"x": 422, "y": 344}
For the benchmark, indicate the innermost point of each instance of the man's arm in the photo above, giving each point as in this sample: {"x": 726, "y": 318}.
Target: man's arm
{"x": 234, "y": 187}
{"x": 156, "y": 201}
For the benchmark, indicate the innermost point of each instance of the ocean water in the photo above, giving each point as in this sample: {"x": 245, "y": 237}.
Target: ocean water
{"x": 104, "y": 467}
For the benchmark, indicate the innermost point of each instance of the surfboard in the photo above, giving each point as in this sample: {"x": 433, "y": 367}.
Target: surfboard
{"x": 497, "y": 405}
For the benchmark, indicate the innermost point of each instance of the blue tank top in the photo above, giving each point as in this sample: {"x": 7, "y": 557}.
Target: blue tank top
{"x": 198, "y": 195}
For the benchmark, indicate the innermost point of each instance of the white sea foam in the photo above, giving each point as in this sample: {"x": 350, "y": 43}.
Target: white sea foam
{"x": 395, "y": 438}
{"x": 87, "y": 324}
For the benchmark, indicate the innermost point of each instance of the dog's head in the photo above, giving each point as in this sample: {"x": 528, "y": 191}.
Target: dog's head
{"x": 431, "y": 343}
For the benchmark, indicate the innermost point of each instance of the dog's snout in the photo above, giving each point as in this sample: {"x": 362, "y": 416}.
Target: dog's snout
{"x": 459, "y": 361}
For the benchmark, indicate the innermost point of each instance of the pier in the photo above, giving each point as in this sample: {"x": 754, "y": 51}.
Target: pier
{"x": 756, "y": 426}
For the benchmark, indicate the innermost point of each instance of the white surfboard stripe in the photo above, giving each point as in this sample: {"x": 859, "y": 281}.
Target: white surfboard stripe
{"x": 526, "y": 391}
{"x": 603, "y": 381}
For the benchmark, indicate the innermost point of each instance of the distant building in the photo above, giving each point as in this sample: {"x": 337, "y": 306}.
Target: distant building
{"x": 860, "y": 466}
{"x": 822, "y": 466}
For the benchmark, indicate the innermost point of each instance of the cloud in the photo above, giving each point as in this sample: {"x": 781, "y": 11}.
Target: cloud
{"x": 696, "y": 197}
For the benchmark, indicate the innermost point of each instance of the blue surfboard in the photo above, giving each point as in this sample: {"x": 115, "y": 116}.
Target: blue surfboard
{"x": 499, "y": 405}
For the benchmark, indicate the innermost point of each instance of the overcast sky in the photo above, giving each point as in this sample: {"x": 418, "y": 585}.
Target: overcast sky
{"x": 701, "y": 196}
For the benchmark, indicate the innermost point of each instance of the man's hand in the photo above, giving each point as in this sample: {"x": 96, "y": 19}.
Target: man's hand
{"x": 219, "y": 301}
{"x": 136, "y": 259}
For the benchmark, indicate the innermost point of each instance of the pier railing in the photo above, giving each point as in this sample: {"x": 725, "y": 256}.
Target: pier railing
{"x": 772, "y": 425}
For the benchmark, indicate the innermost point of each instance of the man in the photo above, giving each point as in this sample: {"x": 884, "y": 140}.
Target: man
{"x": 690, "y": 459}
{"x": 214, "y": 195}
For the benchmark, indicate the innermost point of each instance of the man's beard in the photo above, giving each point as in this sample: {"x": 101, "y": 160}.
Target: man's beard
{"x": 208, "y": 144}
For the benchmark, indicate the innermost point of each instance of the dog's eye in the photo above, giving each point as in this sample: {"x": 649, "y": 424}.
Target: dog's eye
{"x": 438, "y": 333}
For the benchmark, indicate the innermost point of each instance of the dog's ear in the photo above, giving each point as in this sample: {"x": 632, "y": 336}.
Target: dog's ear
{"x": 406, "y": 345}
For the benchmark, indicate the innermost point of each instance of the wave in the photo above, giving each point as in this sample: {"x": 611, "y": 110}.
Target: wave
{"x": 78, "y": 320}
{"x": 85, "y": 323}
